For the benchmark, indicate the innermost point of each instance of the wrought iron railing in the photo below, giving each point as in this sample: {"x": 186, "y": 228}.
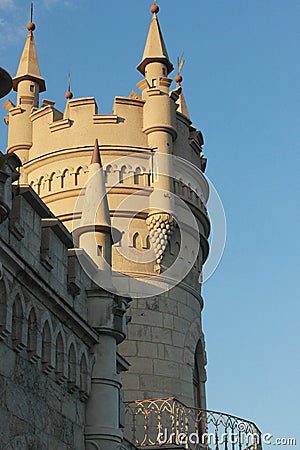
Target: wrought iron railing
{"x": 168, "y": 422}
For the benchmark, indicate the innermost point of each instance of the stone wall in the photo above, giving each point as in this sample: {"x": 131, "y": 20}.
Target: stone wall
{"x": 163, "y": 337}
{"x": 45, "y": 341}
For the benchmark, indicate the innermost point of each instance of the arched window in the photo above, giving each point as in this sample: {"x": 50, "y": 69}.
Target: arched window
{"x": 84, "y": 377}
{"x": 72, "y": 368}
{"x": 136, "y": 241}
{"x": 60, "y": 359}
{"x": 108, "y": 172}
{"x": 123, "y": 173}
{"x": 137, "y": 176}
{"x": 17, "y": 324}
{"x": 32, "y": 336}
{"x": 47, "y": 348}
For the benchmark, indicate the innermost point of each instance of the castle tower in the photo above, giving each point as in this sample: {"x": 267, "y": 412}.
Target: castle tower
{"x": 165, "y": 344}
{"x": 154, "y": 185}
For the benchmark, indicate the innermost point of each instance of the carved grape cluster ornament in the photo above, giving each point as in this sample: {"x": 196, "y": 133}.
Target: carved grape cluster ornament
{"x": 161, "y": 227}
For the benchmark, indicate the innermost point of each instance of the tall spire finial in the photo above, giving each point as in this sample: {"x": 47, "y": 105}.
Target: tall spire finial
{"x": 29, "y": 66}
{"x": 69, "y": 94}
{"x": 31, "y": 25}
{"x": 155, "y": 49}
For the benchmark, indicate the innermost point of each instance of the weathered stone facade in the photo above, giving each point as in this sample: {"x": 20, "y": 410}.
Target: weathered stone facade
{"x": 45, "y": 368}
{"x": 47, "y": 347}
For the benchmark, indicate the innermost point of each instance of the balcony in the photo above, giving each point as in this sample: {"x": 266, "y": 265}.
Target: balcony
{"x": 169, "y": 423}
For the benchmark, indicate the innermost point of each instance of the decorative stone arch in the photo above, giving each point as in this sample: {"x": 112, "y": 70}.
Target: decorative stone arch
{"x": 72, "y": 361}
{"x": 123, "y": 174}
{"x": 46, "y": 349}
{"x": 137, "y": 241}
{"x": 112, "y": 174}
{"x": 50, "y": 181}
{"x": 80, "y": 175}
{"x": 193, "y": 335}
{"x": 32, "y": 332}
{"x": 195, "y": 358}
{"x": 137, "y": 175}
{"x": 39, "y": 184}
{"x": 16, "y": 315}
{"x": 66, "y": 178}
{"x": 85, "y": 374}
{"x": 59, "y": 340}
{"x": 109, "y": 170}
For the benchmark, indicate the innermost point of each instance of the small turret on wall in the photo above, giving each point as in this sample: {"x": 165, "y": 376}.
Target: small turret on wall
{"x": 28, "y": 84}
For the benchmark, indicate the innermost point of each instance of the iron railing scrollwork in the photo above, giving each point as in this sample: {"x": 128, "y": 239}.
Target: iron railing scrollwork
{"x": 168, "y": 422}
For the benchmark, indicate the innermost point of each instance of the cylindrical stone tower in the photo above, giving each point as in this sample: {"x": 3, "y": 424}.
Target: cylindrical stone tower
{"x": 165, "y": 344}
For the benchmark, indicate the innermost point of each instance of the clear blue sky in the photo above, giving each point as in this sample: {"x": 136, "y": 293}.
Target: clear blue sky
{"x": 241, "y": 82}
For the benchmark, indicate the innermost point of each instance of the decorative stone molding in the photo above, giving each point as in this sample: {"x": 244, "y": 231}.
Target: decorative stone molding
{"x": 161, "y": 227}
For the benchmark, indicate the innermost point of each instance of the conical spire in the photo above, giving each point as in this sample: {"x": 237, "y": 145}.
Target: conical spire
{"x": 96, "y": 192}
{"x": 29, "y": 67}
{"x": 183, "y": 106}
{"x": 96, "y": 155}
{"x": 155, "y": 49}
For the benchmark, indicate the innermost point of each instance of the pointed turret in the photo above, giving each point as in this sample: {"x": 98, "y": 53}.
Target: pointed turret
{"x": 28, "y": 84}
{"x": 102, "y": 217}
{"x": 94, "y": 233}
{"x": 96, "y": 159}
{"x": 155, "y": 49}
{"x": 29, "y": 67}
{"x": 182, "y": 106}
